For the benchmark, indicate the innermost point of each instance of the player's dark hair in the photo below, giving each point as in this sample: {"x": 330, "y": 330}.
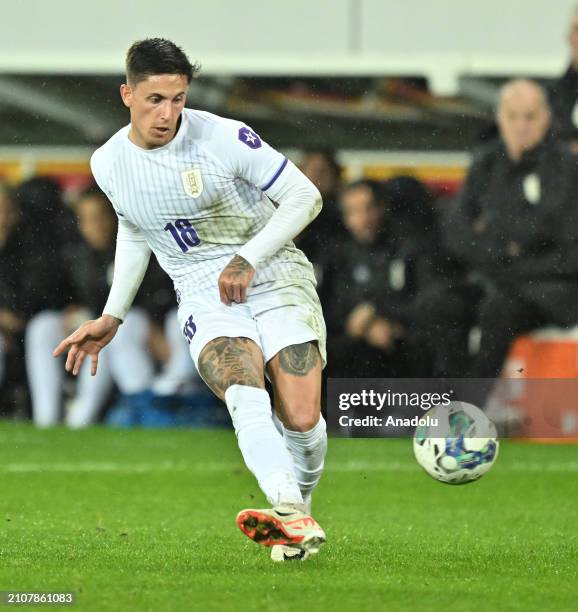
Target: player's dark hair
{"x": 157, "y": 56}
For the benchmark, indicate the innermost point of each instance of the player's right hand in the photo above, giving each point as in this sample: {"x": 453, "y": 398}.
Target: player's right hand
{"x": 234, "y": 280}
{"x": 88, "y": 340}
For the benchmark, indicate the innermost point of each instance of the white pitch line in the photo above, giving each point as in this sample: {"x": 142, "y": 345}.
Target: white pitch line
{"x": 168, "y": 466}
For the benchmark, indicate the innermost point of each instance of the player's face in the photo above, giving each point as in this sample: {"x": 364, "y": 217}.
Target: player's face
{"x": 155, "y": 104}
{"x": 361, "y": 215}
{"x": 523, "y": 120}
{"x": 96, "y": 223}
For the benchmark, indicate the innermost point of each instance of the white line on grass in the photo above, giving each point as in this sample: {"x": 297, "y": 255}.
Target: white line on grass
{"x": 169, "y": 466}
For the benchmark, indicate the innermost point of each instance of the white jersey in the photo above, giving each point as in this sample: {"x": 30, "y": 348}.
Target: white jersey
{"x": 199, "y": 198}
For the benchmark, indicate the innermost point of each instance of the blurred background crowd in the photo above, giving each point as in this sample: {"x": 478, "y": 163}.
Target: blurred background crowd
{"x": 416, "y": 280}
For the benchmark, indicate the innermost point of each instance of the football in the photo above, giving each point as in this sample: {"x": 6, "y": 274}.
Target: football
{"x": 457, "y": 444}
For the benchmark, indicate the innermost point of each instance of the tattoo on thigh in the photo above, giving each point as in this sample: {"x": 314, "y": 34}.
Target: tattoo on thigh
{"x": 299, "y": 359}
{"x": 230, "y": 361}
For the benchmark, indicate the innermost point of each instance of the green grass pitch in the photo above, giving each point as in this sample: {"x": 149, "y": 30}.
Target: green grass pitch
{"x": 145, "y": 520}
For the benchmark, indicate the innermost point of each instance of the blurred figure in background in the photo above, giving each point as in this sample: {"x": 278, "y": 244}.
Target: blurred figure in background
{"x": 12, "y": 319}
{"x": 512, "y": 225}
{"x": 47, "y": 228}
{"x": 563, "y": 93}
{"x": 87, "y": 264}
{"x": 44, "y": 233}
{"x": 369, "y": 288}
{"x": 327, "y": 230}
{"x": 84, "y": 268}
{"x": 412, "y": 217}
{"x": 128, "y": 363}
{"x": 415, "y": 220}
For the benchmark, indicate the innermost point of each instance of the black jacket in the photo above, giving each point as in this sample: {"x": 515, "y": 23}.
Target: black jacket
{"x": 563, "y": 96}
{"x": 501, "y": 196}
{"x": 11, "y": 274}
{"x": 32, "y": 275}
{"x": 90, "y": 274}
{"x": 510, "y": 220}
{"x": 388, "y": 273}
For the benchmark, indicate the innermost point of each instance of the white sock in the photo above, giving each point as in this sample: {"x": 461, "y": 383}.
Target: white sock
{"x": 308, "y": 450}
{"x": 277, "y": 423}
{"x": 261, "y": 445}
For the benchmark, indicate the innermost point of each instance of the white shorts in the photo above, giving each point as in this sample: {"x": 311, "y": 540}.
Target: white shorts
{"x": 275, "y": 315}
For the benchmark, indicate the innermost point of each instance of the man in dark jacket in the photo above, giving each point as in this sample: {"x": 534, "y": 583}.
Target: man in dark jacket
{"x": 563, "y": 94}
{"x": 326, "y": 230}
{"x": 87, "y": 266}
{"x": 513, "y": 226}
{"x": 369, "y": 285}
{"x": 12, "y": 319}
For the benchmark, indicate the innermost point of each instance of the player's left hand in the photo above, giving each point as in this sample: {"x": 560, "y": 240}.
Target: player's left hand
{"x": 234, "y": 280}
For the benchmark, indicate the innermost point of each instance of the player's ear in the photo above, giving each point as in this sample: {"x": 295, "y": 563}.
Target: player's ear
{"x": 126, "y": 94}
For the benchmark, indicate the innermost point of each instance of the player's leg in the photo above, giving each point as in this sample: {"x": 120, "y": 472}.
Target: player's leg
{"x": 233, "y": 369}
{"x": 295, "y": 372}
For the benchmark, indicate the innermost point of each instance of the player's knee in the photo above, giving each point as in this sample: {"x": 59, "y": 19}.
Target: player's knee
{"x": 302, "y": 416}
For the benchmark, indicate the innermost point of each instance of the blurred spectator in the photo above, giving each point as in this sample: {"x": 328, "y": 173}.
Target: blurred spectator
{"x": 12, "y": 320}
{"x": 127, "y": 362}
{"x": 564, "y": 93}
{"x": 370, "y": 284}
{"x": 413, "y": 217}
{"x": 46, "y": 230}
{"x": 327, "y": 229}
{"x": 88, "y": 266}
{"x": 512, "y": 225}
{"x": 32, "y": 258}
{"x": 178, "y": 374}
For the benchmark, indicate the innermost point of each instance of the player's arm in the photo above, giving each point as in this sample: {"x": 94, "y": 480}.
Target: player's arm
{"x": 130, "y": 264}
{"x": 298, "y": 200}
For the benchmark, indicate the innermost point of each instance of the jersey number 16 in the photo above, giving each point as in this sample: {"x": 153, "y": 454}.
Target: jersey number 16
{"x": 183, "y": 233}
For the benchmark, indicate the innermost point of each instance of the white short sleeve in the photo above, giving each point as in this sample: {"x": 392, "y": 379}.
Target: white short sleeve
{"x": 101, "y": 163}
{"x": 100, "y": 170}
{"x": 249, "y": 157}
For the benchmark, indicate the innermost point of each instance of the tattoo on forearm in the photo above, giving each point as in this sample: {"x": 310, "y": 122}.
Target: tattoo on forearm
{"x": 238, "y": 266}
{"x": 230, "y": 361}
{"x": 299, "y": 359}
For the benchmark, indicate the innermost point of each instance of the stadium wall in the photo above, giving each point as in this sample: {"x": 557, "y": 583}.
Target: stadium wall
{"x": 252, "y": 37}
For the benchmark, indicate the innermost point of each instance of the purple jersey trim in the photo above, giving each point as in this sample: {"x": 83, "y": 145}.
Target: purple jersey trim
{"x": 276, "y": 176}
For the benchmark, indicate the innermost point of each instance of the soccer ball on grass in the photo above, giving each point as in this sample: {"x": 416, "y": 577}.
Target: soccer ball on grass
{"x": 458, "y": 445}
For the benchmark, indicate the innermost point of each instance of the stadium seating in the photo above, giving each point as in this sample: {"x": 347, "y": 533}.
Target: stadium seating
{"x": 546, "y": 364}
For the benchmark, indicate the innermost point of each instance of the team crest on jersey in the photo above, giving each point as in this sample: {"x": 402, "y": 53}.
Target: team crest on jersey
{"x": 192, "y": 182}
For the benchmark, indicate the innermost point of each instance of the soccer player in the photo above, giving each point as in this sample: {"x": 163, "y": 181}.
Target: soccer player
{"x": 219, "y": 208}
